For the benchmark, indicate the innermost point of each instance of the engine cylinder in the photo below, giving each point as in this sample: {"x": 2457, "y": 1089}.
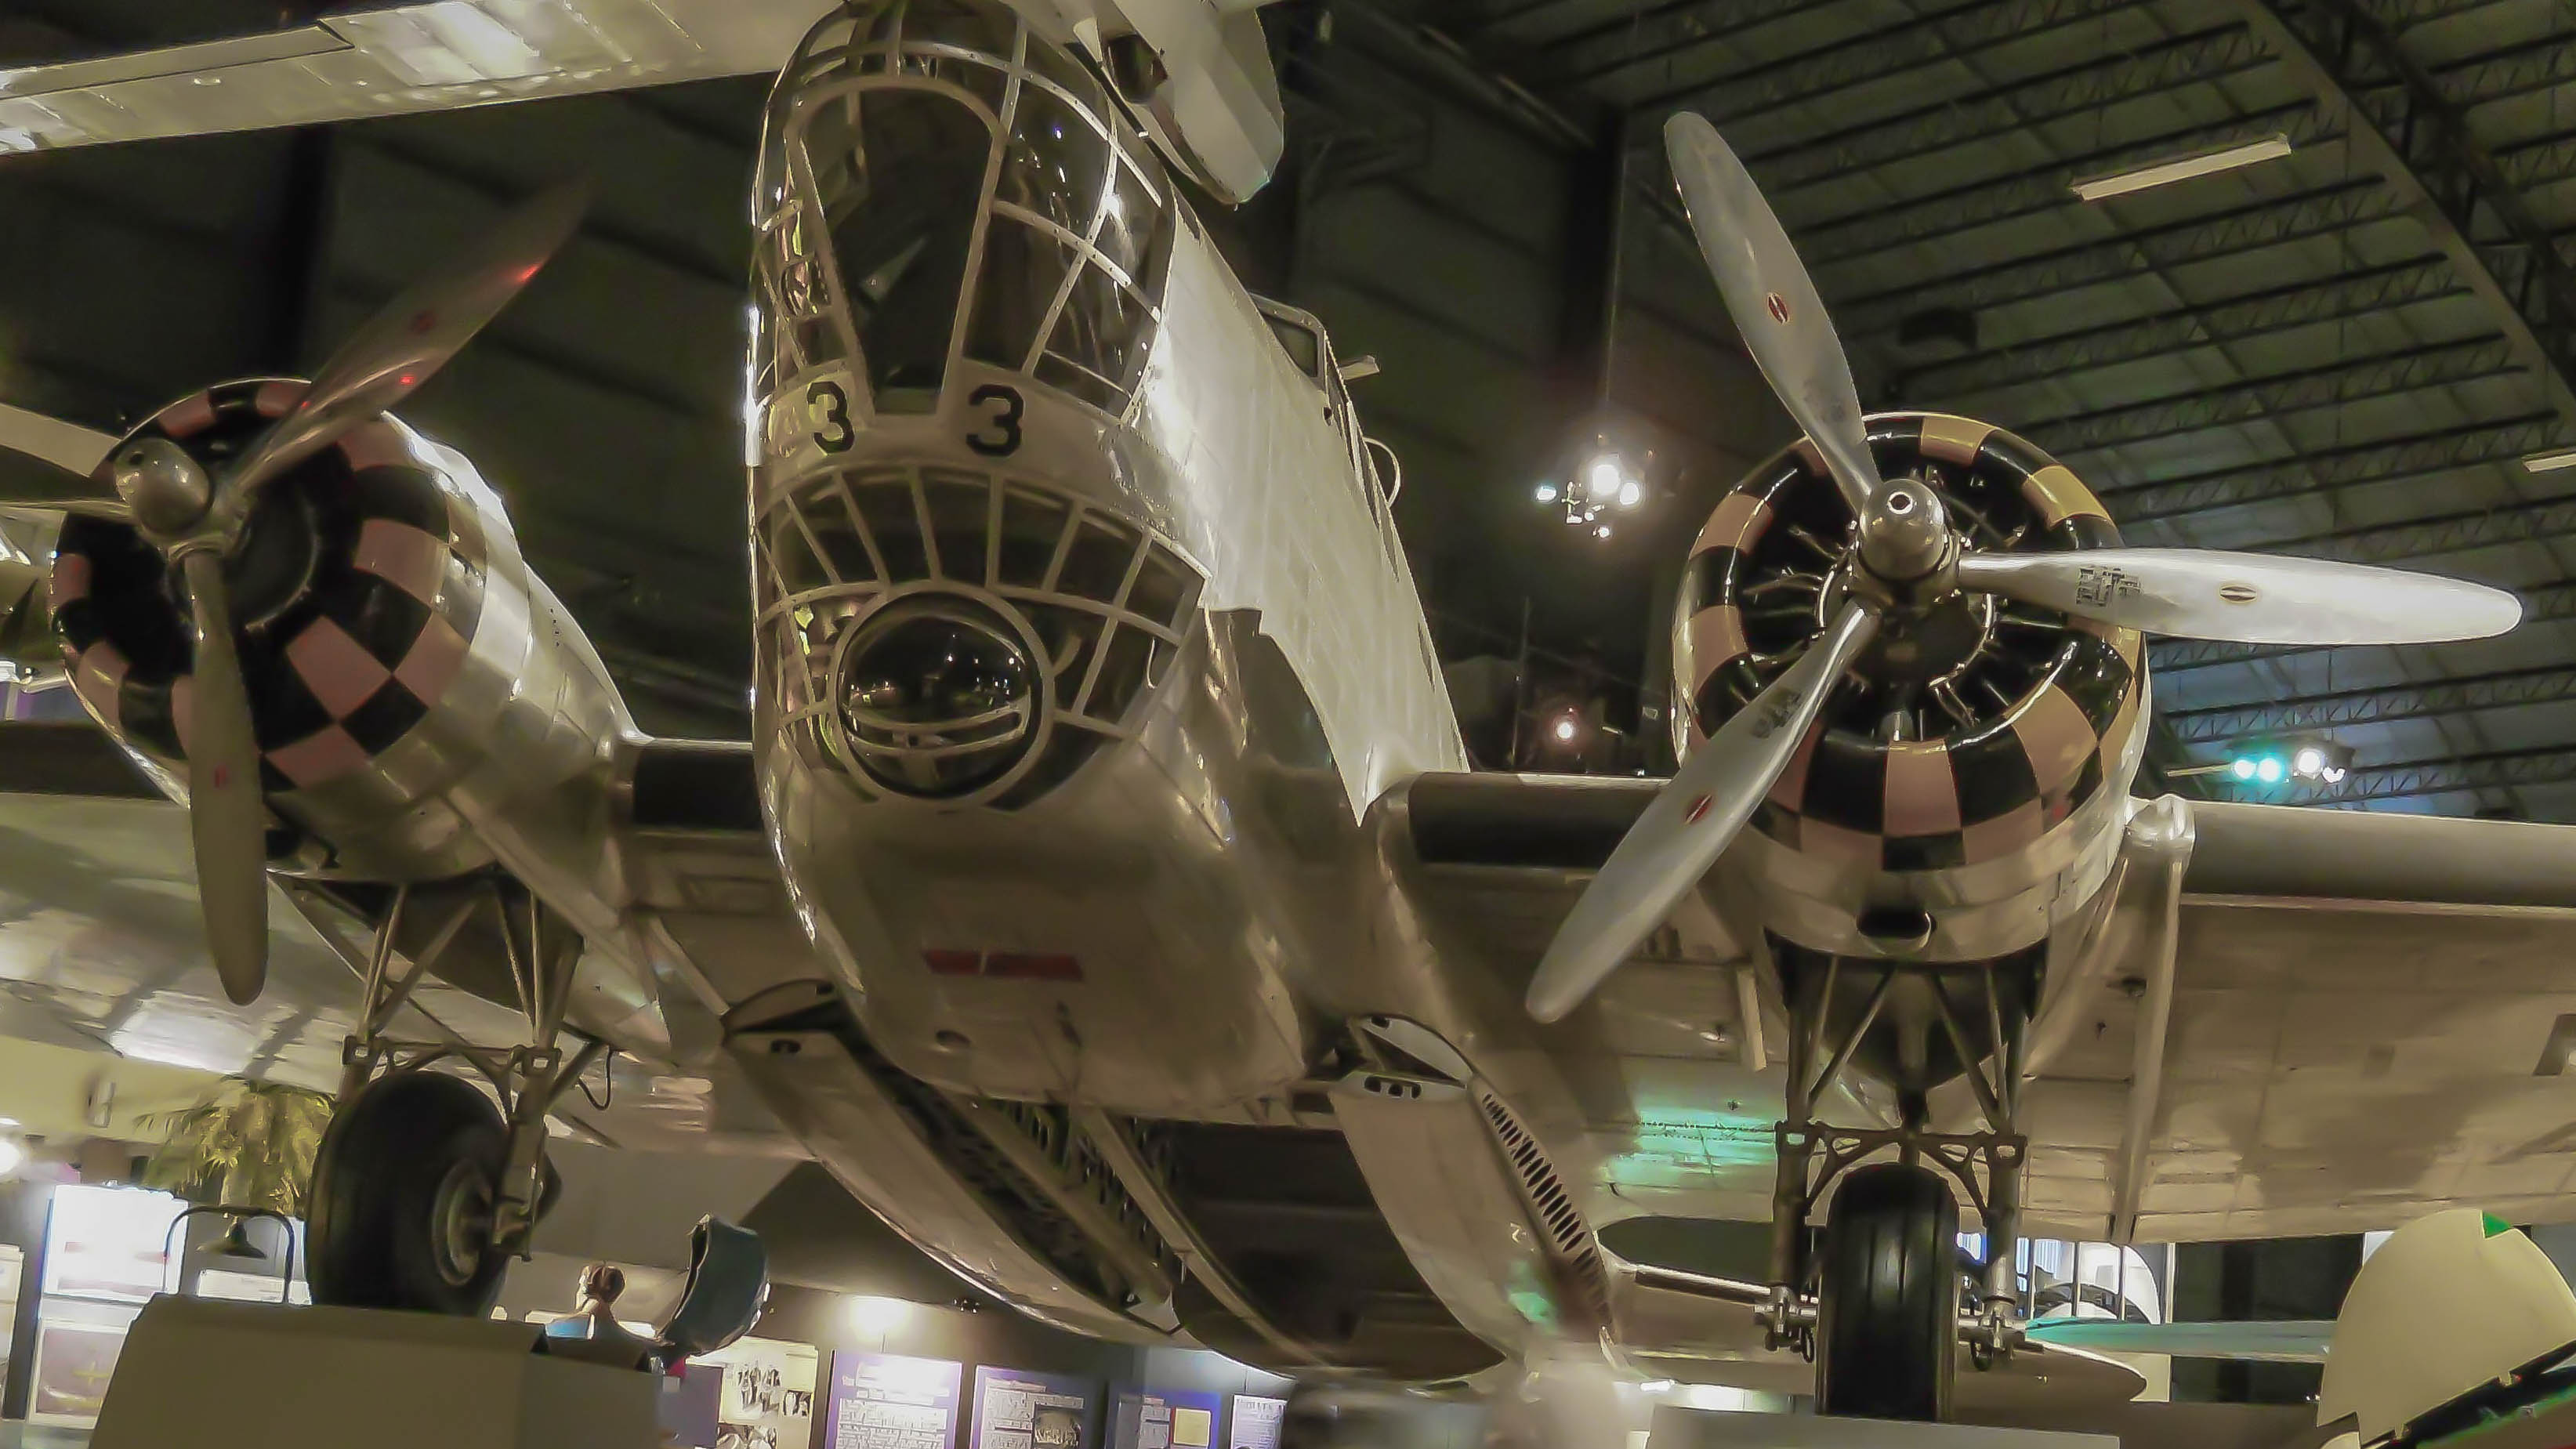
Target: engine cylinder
{"x": 1970, "y": 755}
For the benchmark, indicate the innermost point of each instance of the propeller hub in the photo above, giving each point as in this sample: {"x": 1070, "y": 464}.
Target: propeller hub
{"x": 1905, "y": 533}
{"x": 168, "y": 490}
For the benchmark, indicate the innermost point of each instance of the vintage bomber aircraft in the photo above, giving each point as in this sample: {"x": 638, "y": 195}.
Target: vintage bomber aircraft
{"x": 1104, "y": 897}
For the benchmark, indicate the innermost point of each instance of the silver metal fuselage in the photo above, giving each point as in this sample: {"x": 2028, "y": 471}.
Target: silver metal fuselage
{"x": 1161, "y": 932}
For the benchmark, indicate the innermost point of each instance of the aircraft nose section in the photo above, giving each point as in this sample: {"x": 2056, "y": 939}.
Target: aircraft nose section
{"x": 945, "y": 194}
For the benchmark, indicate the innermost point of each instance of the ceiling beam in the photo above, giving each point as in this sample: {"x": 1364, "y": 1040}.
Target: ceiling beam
{"x": 1934, "y": 215}
{"x": 2183, "y": 330}
{"x": 2401, "y": 125}
{"x": 2276, "y": 396}
{"x": 1771, "y": 83}
{"x": 2550, "y": 601}
{"x": 2502, "y": 690}
{"x": 2086, "y": 89}
{"x": 2246, "y": 228}
{"x": 2501, "y": 770}
{"x": 2378, "y": 460}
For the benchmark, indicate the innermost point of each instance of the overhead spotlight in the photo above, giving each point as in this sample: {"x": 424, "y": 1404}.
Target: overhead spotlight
{"x": 1547, "y": 493}
{"x": 2308, "y": 763}
{"x": 1630, "y": 493}
{"x": 1564, "y": 731}
{"x": 2268, "y": 769}
{"x": 2333, "y": 774}
{"x": 2242, "y": 767}
{"x": 1602, "y": 532}
{"x": 871, "y": 1314}
{"x": 1602, "y": 476}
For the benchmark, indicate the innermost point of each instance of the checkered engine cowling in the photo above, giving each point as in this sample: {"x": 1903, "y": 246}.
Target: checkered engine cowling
{"x": 1962, "y": 738}
{"x": 357, "y": 588}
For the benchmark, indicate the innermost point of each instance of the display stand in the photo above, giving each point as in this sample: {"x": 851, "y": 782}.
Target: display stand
{"x": 214, "y": 1375}
{"x": 1681, "y": 1428}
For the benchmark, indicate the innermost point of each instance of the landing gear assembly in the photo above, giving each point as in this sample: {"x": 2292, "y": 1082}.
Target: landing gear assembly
{"x": 424, "y": 1188}
{"x": 1877, "y": 1300}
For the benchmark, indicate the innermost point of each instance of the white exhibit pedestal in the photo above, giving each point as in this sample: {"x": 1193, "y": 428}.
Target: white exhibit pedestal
{"x": 1682, "y": 1428}
{"x": 212, "y": 1375}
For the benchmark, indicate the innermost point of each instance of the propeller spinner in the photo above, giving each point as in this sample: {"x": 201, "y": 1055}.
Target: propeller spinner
{"x": 196, "y": 517}
{"x": 1908, "y": 558}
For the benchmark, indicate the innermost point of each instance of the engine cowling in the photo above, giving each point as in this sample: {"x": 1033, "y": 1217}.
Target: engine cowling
{"x": 405, "y": 670}
{"x": 1965, "y": 782}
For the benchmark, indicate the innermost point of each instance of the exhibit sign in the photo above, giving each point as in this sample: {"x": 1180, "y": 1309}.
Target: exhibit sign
{"x": 74, "y": 1362}
{"x": 1256, "y": 1423}
{"x": 1166, "y": 1419}
{"x": 108, "y": 1242}
{"x": 767, "y": 1397}
{"x": 889, "y": 1401}
{"x": 1017, "y": 1409}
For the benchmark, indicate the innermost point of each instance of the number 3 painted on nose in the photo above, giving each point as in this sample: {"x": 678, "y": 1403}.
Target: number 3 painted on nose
{"x": 1005, "y": 423}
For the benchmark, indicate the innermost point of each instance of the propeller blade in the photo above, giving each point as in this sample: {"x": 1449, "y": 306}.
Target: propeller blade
{"x": 1691, "y": 821}
{"x": 30, "y": 481}
{"x": 414, "y": 336}
{"x": 2246, "y": 598}
{"x": 1772, "y": 300}
{"x": 227, "y": 815}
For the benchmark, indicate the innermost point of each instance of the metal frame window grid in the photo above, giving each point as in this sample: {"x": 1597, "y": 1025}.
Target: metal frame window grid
{"x": 805, "y": 626}
{"x": 882, "y": 65}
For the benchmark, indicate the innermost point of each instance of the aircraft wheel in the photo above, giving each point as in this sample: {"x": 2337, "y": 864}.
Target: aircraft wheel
{"x": 401, "y": 1208}
{"x": 1887, "y": 1335}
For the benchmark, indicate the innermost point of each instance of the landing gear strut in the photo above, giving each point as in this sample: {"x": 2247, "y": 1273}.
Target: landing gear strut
{"x": 424, "y": 1189}
{"x": 1878, "y": 1304}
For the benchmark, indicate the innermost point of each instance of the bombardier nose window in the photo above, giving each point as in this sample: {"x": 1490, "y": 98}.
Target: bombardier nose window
{"x": 886, "y": 130}
{"x": 901, "y": 174}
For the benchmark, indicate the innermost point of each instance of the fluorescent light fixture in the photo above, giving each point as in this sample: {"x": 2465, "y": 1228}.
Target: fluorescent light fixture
{"x": 2550, "y": 462}
{"x": 2183, "y": 168}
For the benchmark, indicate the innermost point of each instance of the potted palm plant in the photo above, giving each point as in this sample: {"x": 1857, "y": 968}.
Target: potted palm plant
{"x": 245, "y": 1149}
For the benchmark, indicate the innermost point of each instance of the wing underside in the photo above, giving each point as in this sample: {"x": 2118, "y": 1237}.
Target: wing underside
{"x": 2372, "y": 1016}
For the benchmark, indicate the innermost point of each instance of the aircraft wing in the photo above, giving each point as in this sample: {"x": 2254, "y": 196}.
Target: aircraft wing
{"x": 2372, "y": 1017}
{"x": 1496, "y": 863}
{"x": 391, "y": 61}
{"x": 1659, "y": 1100}
{"x": 102, "y": 949}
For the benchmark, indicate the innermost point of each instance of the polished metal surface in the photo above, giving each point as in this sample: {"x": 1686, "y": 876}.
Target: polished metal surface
{"x": 1773, "y": 301}
{"x": 1103, "y": 765}
{"x": 2247, "y": 598}
{"x": 1174, "y": 524}
{"x": 1693, "y": 821}
{"x": 408, "y": 340}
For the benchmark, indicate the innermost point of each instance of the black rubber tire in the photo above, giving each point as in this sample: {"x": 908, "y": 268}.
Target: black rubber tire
{"x": 1887, "y": 1337}
{"x": 373, "y": 1226}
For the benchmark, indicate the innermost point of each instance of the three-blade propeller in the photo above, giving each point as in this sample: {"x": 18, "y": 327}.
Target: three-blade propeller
{"x": 1902, "y": 538}
{"x": 196, "y": 517}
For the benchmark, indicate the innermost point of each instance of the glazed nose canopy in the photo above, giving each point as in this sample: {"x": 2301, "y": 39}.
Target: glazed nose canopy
{"x": 893, "y": 214}
{"x": 938, "y": 697}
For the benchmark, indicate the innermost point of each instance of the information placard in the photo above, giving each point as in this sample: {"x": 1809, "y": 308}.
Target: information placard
{"x": 1017, "y": 1409}
{"x": 1166, "y": 1419}
{"x": 1257, "y": 1421}
{"x": 889, "y": 1401}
